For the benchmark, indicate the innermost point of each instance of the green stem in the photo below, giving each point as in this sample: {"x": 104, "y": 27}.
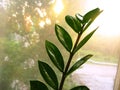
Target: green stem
{"x": 68, "y": 63}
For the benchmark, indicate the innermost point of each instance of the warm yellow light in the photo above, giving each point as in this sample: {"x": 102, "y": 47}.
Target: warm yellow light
{"x": 58, "y": 6}
{"x": 42, "y": 24}
{"x": 48, "y": 21}
{"x": 42, "y": 13}
{"x": 108, "y": 21}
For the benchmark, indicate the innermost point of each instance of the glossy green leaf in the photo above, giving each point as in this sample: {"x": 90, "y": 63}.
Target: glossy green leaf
{"x": 37, "y": 85}
{"x": 48, "y": 74}
{"x": 91, "y": 15}
{"x": 73, "y": 23}
{"x": 79, "y": 17}
{"x": 55, "y": 55}
{"x": 64, "y": 37}
{"x": 80, "y": 88}
{"x": 79, "y": 63}
{"x": 96, "y": 12}
{"x": 84, "y": 40}
{"x": 87, "y": 25}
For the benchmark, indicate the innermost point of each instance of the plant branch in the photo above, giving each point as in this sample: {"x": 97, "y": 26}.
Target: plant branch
{"x": 69, "y": 61}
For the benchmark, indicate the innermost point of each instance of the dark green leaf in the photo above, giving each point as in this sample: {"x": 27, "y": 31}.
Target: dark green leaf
{"x": 73, "y": 23}
{"x": 91, "y": 15}
{"x": 37, "y": 85}
{"x": 79, "y": 63}
{"x": 84, "y": 40}
{"x": 55, "y": 55}
{"x": 64, "y": 37}
{"x": 48, "y": 75}
{"x": 89, "y": 23}
{"x": 80, "y": 88}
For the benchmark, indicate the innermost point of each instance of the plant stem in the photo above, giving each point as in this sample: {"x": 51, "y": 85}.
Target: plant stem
{"x": 64, "y": 73}
{"x": 69, "y": 61}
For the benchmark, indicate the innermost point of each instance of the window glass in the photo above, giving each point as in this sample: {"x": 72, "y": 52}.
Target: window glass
{"x": 26, "y": 24}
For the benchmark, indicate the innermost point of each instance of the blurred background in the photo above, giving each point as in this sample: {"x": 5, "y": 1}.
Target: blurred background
{"x": 26, "y": 24}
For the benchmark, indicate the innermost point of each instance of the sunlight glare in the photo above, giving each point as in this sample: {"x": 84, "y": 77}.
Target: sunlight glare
{"x": 3, "y": 3}
{"x": 108, "y": 21}
{"x": 42, "y": 13}
{"x": 42, "y": 24}
{"x": 58, "y": 6}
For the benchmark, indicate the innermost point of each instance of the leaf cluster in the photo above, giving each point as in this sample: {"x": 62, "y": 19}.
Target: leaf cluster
{"x": 78, "y": 24}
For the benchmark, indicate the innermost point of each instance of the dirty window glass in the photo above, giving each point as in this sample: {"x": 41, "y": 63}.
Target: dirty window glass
{"x": 26, "y": 24}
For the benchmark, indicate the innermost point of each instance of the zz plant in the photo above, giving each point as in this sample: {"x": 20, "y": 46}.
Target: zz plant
{"x": 79, "y": 24}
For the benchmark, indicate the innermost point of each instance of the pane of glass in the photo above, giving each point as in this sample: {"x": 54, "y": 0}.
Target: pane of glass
{"x": 26, "y": 24}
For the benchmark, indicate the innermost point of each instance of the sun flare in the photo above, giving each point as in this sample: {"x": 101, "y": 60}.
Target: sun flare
{"x": 58, "y": 6}
{"x": 108, "y": 21}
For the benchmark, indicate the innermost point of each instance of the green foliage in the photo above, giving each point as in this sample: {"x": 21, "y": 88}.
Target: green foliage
{"x": 79, "y": 26}
{"x": 90, "y": 17}
{"x": 84, "y": 40}
{"x": 73, "y": 23}
{"x": 63, "y": 37}
{"x": 37, "y": 85}
{"x": 80, "y": 88}
{"x": 55, "y": 55}
{"x": 48, "y": 74}
{"x": 79, "y": 63}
